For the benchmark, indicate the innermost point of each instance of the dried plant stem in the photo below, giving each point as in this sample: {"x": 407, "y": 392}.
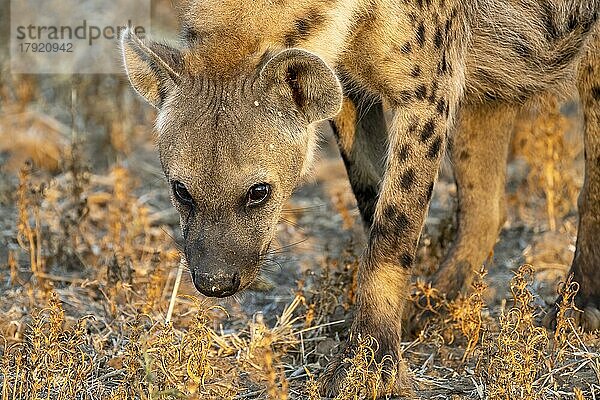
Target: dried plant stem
{"x": 174, "y": 293}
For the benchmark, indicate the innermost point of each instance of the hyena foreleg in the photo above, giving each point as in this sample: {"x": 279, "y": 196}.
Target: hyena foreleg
{"x": 417, "y": 140}
{"x": 419, "y": 70}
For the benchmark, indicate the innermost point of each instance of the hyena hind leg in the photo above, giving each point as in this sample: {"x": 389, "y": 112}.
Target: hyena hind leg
{"x": 479, "y": 155}
{"x": 361, "y": 132}
{"x": 586, "y": 263}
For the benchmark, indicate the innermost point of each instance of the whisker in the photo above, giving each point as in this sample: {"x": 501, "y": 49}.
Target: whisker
{"x": 302, "y": 209}
{"x": 276, "y": 251}
{"x": 158, "y": 179}
{"x": 280, "y": 263}
{"x": 238, "y": 298}
{"x": 285, "y": 260}
{"x": 185, "y": 268}
{"x": 271, "y": 266}
{"x": 177, "y": 242}
{"x": 292, "y": 223}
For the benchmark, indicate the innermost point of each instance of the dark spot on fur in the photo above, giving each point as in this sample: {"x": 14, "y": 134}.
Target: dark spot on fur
{"x": 448, "y": 28}
{"x": 413, "y": 18}
{"x": 420, "y": 34}
{"x": 434, "y": 149}
{"x": 408, "y": 179}
{"x": 443, "y": 65}
{"x": 304, "y": 27}
{"x": 428, "y": 130}
{"x": 309, "y": 23}
{"x": 596, "y": 93}
{"x": 433, "y": 94}
{"x": 416, "y": 71}
{"x": 406, "y": 48}
{"x": 406, "y": 260}
{"x": 392, "y": 225}
{"x": 441, "y": 106}
{"x": 437, "y": 38}
{"x": 404, "y": 153}
{"x": 398, "y": 219}
{"x": 464, "y": 155}
{"x": 189, "y": 34}
{"x": 421, "y": 92}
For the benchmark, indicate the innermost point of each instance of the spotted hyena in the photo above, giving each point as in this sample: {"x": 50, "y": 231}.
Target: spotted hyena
{"x": 239, "y": 96}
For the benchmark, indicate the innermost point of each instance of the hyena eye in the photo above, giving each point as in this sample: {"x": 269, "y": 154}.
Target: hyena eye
{"x": 258, "y": 194}
{"x": 181, "y": 194}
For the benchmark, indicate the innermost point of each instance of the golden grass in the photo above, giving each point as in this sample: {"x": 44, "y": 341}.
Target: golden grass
{"x": 541, "y": 140}
{"x": 466, "y": 313}
{"x": 515, "y": 357}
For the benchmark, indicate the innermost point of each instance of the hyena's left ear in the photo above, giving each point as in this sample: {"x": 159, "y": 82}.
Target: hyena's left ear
{"x": 153, "y": 68}
{"x": 302, "y": 79}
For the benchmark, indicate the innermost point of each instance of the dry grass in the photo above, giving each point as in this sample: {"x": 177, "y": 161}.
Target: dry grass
{"x": 460, "y": 318}
{"x": 466, "y": 313}
{"x": 541, "y": 140}
{"x": 515, "y": 357}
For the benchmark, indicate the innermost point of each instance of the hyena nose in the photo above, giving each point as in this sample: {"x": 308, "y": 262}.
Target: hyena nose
{"x": 222, "y": 284}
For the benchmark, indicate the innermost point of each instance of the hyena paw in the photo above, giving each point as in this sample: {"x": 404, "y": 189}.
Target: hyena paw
{"x": 360, "y": 370}
{"x": 587, "y": 316}
{"x": 453, "y": 278}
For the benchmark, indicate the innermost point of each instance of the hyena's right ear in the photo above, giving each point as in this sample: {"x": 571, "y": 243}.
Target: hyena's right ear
{"x": 303, "y": 79}
{"x": 153, "y": 68}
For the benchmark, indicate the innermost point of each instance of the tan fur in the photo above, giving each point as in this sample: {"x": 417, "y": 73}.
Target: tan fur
{"x": 346, "y": 121}
{"x": 237, "y": 31}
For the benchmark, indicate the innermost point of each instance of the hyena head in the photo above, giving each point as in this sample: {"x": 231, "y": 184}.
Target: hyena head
{"x": 232, "y": 146}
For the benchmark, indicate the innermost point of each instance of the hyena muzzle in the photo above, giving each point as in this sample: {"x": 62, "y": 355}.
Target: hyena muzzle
{"x": 239, "y": 96}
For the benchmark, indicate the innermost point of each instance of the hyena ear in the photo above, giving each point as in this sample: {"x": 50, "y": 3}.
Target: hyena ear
{"x": 153, "y": 68}
{"x": 302, "y": 78}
